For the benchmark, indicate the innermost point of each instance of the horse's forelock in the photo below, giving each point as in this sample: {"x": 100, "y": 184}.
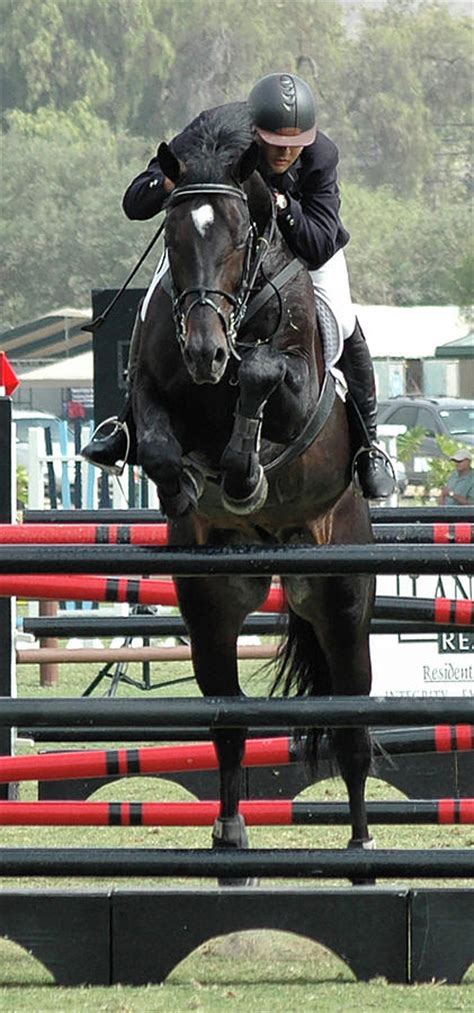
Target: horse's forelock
{"x": 216, "y": 143}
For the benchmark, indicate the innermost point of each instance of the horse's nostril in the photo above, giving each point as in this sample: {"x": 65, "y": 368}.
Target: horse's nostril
{"x": 220, "y": 356}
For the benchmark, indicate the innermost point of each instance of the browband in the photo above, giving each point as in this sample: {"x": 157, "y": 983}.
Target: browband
{"x": 197, "y": 189}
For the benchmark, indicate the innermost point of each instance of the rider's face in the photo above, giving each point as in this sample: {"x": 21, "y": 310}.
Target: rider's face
{"x": 280, "y": 158}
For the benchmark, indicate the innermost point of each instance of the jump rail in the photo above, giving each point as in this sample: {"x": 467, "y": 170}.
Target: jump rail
{"x": 134, "y": 590}
{"x": 202, "y": 756}
{"x": 257, "y": 712}
{"x": 113, "y": 655}
{"x": 149, "y": 534}
{"x": 250, "y": 560}
{"x": 384, "y": 515}
{"x": 445, "y": 612}
{"x": 272, "y": 812}
{"x": 446, "y": 863}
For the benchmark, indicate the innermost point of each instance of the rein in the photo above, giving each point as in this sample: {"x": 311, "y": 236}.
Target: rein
{"x": 256, "y": 249}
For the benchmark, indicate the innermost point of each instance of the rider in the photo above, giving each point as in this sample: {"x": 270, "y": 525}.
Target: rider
{"x": 299, "y": 163}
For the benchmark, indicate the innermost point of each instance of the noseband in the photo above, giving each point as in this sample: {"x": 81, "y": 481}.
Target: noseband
{"x": 255, "y": 250}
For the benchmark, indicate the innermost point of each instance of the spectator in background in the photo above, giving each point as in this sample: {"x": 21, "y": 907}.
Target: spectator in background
{"x": 459, "y": 488}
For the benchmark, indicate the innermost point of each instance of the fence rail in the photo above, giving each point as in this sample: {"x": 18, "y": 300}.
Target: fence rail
{"x": 317, "y": 712}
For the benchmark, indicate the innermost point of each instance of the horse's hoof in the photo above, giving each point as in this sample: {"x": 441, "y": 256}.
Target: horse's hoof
{"x": 362, "y": 844}
{"x": 252, "y": 503}
{"x": 194, "y": 480}
{"x": 186, "y": 500}
{"x": 229, "y": 832}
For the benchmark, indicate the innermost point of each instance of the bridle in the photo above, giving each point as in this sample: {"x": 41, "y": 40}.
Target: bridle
{"x": 256, "y": 248}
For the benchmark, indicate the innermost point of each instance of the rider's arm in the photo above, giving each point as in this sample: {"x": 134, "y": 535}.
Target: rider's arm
{"x": 310, "y": 223}
{"x": 146, "y": 194}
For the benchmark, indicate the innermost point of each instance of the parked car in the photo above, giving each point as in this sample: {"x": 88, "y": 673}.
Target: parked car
{"x": 440, "y": 416}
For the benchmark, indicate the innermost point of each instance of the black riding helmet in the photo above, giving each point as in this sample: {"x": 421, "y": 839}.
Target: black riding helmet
{"x": 283, "y": 102}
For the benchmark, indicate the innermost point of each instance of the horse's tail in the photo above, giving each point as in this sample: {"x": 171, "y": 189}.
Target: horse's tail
{"x": 302, "y": 669}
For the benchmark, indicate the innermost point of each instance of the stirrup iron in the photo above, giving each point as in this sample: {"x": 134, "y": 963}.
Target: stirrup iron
{"x": 119, "y": 426}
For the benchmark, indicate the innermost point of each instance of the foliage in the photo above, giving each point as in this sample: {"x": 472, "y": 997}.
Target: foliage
{"x": 64, "y": 232}
{"x": 21, "y": 486}
{"x": 440, "y": 468}
{"x": 400, "y": 255}
{"x": 408, "y": 81}
{"x": 408, "y": 443}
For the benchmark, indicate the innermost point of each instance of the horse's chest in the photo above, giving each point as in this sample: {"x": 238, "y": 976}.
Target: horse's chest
{"x": 204, "y": 415}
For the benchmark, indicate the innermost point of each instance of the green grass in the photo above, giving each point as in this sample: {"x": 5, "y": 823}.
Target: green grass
{"x": 262, "y": 971}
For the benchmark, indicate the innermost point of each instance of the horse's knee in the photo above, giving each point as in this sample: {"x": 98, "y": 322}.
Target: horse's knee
{"x": 260, "y": 374}
{"x": 164, "y": 469}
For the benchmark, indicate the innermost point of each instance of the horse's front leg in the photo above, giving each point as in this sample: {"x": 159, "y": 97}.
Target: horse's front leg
{"x": 160, "y": 454}
{"x": 263, "y": 374}
{"x": 214, "y": 609}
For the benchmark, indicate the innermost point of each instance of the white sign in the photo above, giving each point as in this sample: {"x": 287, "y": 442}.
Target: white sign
{"x": 425, "y": 664}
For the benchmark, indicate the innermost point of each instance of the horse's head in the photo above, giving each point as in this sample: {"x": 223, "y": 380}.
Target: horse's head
{"x": 210, "y": 240}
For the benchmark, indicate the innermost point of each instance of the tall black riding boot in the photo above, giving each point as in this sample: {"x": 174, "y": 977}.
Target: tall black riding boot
{"x": 373, "y": 468}
{"x": 113, "y": 452}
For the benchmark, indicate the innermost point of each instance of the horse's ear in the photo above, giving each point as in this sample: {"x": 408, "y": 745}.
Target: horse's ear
{"x": 169, "y": 164}
{"x": 246, "y": 163}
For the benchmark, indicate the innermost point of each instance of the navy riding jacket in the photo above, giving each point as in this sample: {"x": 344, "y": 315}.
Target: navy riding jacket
{"x": 310, "y": 223}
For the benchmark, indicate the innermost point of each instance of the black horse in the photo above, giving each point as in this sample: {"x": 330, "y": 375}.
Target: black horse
{"x": 239, "y": 425}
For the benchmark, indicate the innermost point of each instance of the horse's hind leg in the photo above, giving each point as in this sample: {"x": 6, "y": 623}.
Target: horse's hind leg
{"x": 339, "y": 611}
{"x": 347, "y": 645}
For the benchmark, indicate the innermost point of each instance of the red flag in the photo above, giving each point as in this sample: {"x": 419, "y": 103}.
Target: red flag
{"x": 8, "y": 377}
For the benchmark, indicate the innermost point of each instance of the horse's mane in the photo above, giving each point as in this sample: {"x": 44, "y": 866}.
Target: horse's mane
{"x": 215, "y": 141}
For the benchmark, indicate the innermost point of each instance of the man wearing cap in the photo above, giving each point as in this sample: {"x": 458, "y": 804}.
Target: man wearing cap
{"x": 299, "y": 164}
{"x": 460, "y": 485}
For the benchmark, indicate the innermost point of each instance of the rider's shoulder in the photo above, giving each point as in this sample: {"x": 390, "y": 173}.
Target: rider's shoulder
{"x": 322, "y": 154}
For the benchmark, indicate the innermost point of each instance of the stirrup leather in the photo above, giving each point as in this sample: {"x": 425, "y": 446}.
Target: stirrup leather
{"x": 119, "y": 467}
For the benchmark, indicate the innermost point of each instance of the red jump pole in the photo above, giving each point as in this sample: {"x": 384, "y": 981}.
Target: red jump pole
{"x": 134, "y": 590}
{"x": 144, "y": 760}
{"x": 156, "y": 534}
{"x": 83, "y": 534}
{"x": 264, "y": 752}
{"x": 279, "y": 812}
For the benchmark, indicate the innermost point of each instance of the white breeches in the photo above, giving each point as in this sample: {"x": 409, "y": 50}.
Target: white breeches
{"x": 331, "y": 282}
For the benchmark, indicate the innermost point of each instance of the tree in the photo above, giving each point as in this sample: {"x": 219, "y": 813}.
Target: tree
{"x": 64, "y": 231}
{"x": 408, "y": 90}
{"x": 110, "y": 53}
{"x": 401, "y": 255}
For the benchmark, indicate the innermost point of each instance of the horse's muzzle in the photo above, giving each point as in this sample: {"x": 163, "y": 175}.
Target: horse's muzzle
{"x": 206, "y": 362}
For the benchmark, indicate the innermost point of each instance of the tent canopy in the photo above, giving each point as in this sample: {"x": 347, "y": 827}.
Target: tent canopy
{"x": 409, "y": 332}
{"x": 462, "y": 348}
{"x": 55, "y": 335}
